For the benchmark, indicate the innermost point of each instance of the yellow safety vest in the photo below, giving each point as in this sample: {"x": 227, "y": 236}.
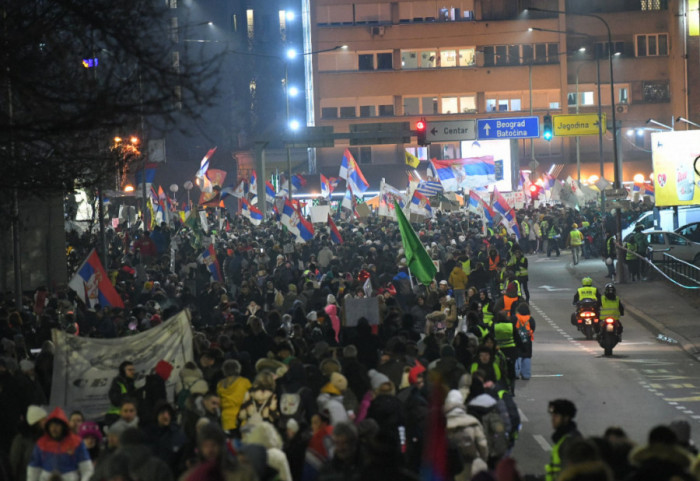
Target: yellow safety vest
{"x": 467, "y": 266}
{"x": 504, "y": 334}
{"x": 587, "y": 292}
{"x": 553, "y": 469}
{"x": 610, "y": 308}
{"x": 488, "y": 316}
{"x": 522, "y": 270}
{"x": 117, "y": 409}
{"x": 575, "y": 238}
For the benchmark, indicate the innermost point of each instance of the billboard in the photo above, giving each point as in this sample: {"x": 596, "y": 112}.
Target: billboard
{"x": 673, "y": 155}
{"x": 500, "y": 150}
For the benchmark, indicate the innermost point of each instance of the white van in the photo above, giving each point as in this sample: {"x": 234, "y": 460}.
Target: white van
{"x": 686, "y": 215}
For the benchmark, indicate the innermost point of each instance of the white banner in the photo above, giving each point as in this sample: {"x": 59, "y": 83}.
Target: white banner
{"x": 83, "y": 367}
{"x": 319, "y": 214}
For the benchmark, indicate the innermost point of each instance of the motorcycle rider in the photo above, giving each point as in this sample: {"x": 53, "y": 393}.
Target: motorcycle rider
{"x": 586, "y": 291}
{"x": 611, "y": 305}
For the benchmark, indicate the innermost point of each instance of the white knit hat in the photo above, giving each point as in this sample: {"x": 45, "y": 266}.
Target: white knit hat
{"x": 35, "y": 414}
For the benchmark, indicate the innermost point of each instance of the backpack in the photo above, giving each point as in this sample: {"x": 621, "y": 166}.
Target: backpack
{"x": 184, "y": 395}
{"x": 292, "y": 407}
{"x": 464, "y": 440}
{"x": 524, "y": 332}
{"x": 495, "y": 432}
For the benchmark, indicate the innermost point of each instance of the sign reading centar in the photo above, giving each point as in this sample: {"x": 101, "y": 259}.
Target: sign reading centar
{"x": 578, "y": 124}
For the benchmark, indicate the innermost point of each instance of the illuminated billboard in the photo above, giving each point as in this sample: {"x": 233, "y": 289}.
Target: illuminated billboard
{"x": 500, "y": 150}
{"x": 675, "y": 180}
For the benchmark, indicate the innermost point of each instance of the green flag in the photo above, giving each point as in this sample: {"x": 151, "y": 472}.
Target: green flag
{"x": 417, "y": 257}
{"x": 195, "y": 226}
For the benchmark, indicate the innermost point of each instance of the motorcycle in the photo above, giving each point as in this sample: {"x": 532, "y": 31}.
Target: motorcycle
{"x": 610, "y": 335}
{"x": 586, "y": 318}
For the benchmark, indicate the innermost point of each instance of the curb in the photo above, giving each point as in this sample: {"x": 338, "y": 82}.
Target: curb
{"x": 686, "y": 344}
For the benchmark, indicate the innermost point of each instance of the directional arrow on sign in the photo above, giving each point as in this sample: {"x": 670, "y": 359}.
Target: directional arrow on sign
{"x": 487, "y": 128}
{"x": 554, "y": 289}
{"x": 433, "y": 131}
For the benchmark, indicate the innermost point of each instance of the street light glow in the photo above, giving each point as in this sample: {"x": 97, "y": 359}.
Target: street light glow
{"x": 128, "y": 188}
{"x": 294, "y": 125}
{"x": 638, "y": 178}
{"x": 291, "y": 53}
{"x": 289, "y": 14}
{"x": 293, "y": 91}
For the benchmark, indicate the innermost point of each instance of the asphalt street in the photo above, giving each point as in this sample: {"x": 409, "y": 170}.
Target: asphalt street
{"x": 645, "y": 383}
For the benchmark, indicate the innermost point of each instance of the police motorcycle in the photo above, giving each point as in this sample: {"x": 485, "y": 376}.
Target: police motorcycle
{"x": 587, "y": 317}
{"x": 611, "y": 328}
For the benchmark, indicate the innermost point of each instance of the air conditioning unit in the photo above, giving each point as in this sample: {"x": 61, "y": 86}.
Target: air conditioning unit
{"x": 622, "y": 108}
{"x": 377, "y": 31}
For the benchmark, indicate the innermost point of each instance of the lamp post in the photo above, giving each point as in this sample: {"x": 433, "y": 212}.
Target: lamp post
{"x": 617, "y": 170}
{"x": 683, "y": 119}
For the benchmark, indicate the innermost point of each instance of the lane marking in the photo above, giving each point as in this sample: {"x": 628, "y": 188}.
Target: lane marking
{"x": 543, "y": 442}
{"x": 523, "y": 418}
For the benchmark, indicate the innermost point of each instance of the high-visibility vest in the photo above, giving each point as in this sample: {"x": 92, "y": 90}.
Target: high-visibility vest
{"x": 484, "y": 331}
{"x": 575, "y": 238}
{"x": 587, "y": 292}
{"x": 117, "y": 409}
{"x": 631, "y": 249}
{"x": 496, "y": 370}
{"x": 493, "y": 263}
{"x": 522, "y": 268}
{"x": 524, "y": 321}
{"x": 508, "y": 303}
{"x": 488, "y": 316}
{"x": 467, "y": 266}
{"x": 526, "y": 229}
{"x": 553, "y": 469}
{"x": 504, "y": 334}
{"x": 610, "y": 308}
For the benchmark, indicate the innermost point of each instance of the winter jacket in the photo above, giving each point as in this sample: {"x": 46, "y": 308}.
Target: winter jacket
{"x": 332, "y": 400}
{"x": 68, "y": 456}
{"x": 467, "y": 434}
{"x": 232, "y": 391}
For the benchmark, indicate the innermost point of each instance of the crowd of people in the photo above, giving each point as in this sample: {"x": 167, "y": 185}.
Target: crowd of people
{"x": 280, "y": 385}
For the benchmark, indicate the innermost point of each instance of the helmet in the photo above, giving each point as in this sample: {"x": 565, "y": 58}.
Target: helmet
{"x": 574, "y": 225}
{"x": 587, "y": 281}
{"x": 610, "y": 290}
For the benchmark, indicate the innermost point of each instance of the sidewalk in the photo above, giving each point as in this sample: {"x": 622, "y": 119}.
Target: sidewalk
{"x": 669, "y": 311}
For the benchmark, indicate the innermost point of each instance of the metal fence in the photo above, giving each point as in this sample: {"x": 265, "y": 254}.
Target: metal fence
{"x": 681, "y": 273}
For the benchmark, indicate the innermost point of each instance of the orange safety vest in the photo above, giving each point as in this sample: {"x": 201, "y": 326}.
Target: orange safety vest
{"x": 524, "y": 321}
{"x": 508, "y": 303}
{"x": 493, "y": 263}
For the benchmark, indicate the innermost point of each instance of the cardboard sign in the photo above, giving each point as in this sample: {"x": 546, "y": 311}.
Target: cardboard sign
{"x": 319, "y": 214}
{"x": 363, "y": 211}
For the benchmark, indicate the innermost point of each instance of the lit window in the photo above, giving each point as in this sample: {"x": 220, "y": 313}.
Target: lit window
{"x": 449, "y": 105}
{"x": 448, "y": 58}
{"x": 466, "y": 57}
{"x": 250, "y": 23}
{"x": 283, "y": 25}
{"x": 650, "y": 5}
{"x": 467, "y": 104}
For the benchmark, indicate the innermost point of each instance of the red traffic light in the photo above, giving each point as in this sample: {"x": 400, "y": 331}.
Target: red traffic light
{"x": 420, "y": 125}
{"x": 534, "y": 189}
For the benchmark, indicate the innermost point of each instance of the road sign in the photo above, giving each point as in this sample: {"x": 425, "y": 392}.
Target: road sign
{"x": 509, "y": 128}
{"x": 311, "y": 137}
{"x": 616, "y": 194}
{"x": 380, "y": 133}
{"x": 451, "y": 130}
{"x": 575, "y": 125}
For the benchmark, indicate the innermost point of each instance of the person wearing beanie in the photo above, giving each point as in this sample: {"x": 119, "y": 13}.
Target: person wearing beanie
{"x": 331, "y": 398}
{"x": 154, "y": 391}
{"x": 467, "y": 434}
{"x": 562, "y": 412}
{"x": 525, "y": 326}
{"x": 485, "y": 362}
{"x": 508, "y": 302}
{"x": 122, "y": 387}
{"x": 449, "y": 367}
{"x": 23, "y": 443}
{"x": 92, "y": 437}
{"x": 59, "y": 450}
{"x": 232, "y": 390}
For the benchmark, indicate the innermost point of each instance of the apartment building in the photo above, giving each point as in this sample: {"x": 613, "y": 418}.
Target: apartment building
{"x": 408, "y": 59}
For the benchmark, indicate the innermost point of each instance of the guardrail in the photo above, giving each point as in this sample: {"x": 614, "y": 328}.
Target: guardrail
{"x": 681, "y": 273}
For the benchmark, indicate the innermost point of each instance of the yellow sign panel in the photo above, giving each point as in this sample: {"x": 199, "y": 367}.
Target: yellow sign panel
{"x": 693, "y": 18}
{"x": 574, "y": 125}
{"x": 673, "y": 155}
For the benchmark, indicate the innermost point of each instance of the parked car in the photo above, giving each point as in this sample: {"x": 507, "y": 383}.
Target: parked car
{"x": 678, "y": 246}
{"x": 686, "y": 216}
{"x": 690, "y": 231}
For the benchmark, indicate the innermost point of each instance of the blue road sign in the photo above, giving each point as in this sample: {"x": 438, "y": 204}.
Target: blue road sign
{"x": 508, "y": 128}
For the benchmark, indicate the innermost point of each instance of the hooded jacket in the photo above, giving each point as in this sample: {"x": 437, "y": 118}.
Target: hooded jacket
{"x": 67, "y": 456}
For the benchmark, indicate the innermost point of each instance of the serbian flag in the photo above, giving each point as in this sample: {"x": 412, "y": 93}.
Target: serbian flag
{"x": 251, "y": 212}
{"x": 515, "y": 228}
{"x": 500, "y": 204}
{"x": 349, "y": 201}
{"x": 644, "y": 188}
{"x": 474, "y": 200}
{"x": 489, "y": 213}
{"x": 325, "y": 187}
{"x": 548, "y": 181}
{"x": 92, "y": 284}
{"x": 298, "y": 182}
{"x": 288, "y": 217}
{"x": 150, "y": 171}
{"x": 202, "y": 179}
{"x": 350, "y": 171}
{"x": 270, "y": 192}
{"x": 434, "y": 465}
{"x": 335, "y": 233}
{"x": 420, "y": 204}
{"x": 253, "y": 184}
{"x": 235, "y": 191}
{"x": 469, "y": 173}
{"x": 306, "y": 229}
{"x": 208, "y": 258}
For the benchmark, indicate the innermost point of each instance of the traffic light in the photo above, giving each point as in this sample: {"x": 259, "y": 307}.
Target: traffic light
{"x": 547, "y": 131}
{"x": 535, "y": 191}
{"x": 421, "y": 128}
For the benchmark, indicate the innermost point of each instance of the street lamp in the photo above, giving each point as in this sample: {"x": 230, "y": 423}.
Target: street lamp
{"x": 654, "y": 122}
{"x": 617, "y": 168}
{"x": 683, "y": 119}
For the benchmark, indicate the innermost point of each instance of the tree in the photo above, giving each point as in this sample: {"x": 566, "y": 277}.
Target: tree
{"x": 58, "y": 117}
